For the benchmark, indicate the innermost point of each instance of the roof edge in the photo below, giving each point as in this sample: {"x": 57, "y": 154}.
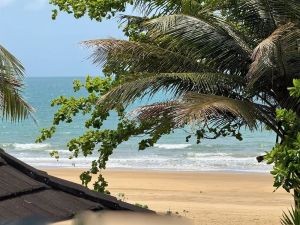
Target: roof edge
{"x": 69, "y": 187}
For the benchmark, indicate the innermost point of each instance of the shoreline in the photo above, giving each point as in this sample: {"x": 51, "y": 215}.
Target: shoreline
{"x": 204, "y": 197}
{"x": 118, "y": 169}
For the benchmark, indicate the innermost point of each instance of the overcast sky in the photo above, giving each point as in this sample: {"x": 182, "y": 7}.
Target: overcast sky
{"x": 50, "y": 48}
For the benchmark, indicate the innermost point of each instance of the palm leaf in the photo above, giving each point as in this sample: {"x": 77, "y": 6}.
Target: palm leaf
{"x": 168, "y": 7}
{"x": 264, "y": 16}
{"x": 143, "y": 57}
{"x": 291, "y": 218}
{"x": 140, "y": 85}
{"x": 9, "y": 62}
{"x": 14, "y": 107}
{"x": 158, "y": 8}
{"x": 276, "y": 57}
{"x": 12, "y": 104}
{"x": 202, "y": 108}
{"x": 216, "y": 41}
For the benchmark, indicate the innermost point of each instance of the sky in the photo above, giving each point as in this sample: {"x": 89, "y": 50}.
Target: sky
{"x": 50, "y": 48}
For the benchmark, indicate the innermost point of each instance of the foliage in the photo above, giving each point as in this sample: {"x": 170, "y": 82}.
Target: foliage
{"x": 286, "y": 155}
{"x": 97, "y": 10}
{"x": 121, "y": 197}
{"x": 105, "y": 140}
{"x": 225, "y": 65}
{"x": 292, "y": 218}
{"x": 141, "y": 206}
{"x": 94, "y": 8}
{"x": 12, "y": 105}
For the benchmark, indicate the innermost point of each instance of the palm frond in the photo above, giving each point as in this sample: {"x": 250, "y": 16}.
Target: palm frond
{"x": 202, "y": 108}
{"x": 9, "y": 62}
{"x": 157, "y": 110}
{"x": 264, "y": 16}
{"x": 169, "y": 7}
{"x": 257, "y": 16}
{"x": 140, "y": 85}
{"x": 215, "y": 40}
{"x": 291, "y": 218}
{"x": 142, "y": 57}
{"x": 166, "y": 7}
{"x": 276, "y": 57}
{"x": 157, "y": 8}
{"x": 12, "y": 104}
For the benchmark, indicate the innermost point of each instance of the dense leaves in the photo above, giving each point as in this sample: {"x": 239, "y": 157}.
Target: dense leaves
{"x": 286, "y": 155}
{"x": 94, "y": 8}
{"x": 98, "y": 10}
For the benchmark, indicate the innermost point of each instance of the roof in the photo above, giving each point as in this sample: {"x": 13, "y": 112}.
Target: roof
{"x": 28, "y": 192}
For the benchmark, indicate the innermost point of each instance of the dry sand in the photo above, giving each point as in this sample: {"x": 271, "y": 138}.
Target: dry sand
{"x": 206, "y": 198}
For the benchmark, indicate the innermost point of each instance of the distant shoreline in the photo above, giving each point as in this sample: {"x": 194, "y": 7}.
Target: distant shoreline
{"x": 154, "y": 170}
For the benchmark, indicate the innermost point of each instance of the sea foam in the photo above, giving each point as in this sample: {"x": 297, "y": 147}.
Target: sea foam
{"x": 172, "y": 146}
{"x": 26, "y": 146}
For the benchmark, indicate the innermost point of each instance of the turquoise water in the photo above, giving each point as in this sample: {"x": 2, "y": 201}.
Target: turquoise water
{"x": 171, "y": 153}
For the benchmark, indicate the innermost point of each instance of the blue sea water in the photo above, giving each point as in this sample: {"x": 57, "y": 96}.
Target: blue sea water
{"x": 171, "y": 153}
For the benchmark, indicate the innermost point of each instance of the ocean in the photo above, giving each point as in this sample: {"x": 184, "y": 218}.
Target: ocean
{"x": 172, "y": 153}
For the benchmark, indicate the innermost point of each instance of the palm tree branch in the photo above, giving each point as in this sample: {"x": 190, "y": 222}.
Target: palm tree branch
{"x": 142, "y": 56}
{"x": 12, "y": 104}
{"x": 9, "y": 62}
{"x": 215, "y": 40}
{"x": 202, "y": 108}
{"x": 140, "y": 85}
{"x": 276, "y": 57}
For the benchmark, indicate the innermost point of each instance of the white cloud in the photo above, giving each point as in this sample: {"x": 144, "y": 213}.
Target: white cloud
{"x": 4, "y": 3}
{"x": 36, "y": 5}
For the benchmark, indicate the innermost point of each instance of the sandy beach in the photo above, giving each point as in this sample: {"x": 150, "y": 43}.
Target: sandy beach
{"x": 206, "y": 198}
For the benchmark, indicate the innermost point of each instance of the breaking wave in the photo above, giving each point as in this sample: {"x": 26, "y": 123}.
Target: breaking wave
{"x": 172, "y": 146}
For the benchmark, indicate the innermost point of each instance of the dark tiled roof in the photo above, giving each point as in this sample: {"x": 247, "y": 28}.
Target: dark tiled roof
{"x": 27, "y": 192}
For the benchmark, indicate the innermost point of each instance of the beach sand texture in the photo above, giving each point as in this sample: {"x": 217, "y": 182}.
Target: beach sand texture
{"x": 206, "y": 198}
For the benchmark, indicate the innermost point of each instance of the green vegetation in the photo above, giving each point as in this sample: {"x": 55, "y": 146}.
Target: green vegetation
{"x": 226, "y": 65}
{"x": 121, "y": 197}
{"x": 292, "y": 218}
{"x": 12, "y": 106}
{"x": 98, "y": 10}
{"x": 141, "y": 206}
{"x": 286, "y": 156}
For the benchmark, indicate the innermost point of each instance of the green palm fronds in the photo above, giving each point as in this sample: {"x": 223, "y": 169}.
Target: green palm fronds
{"x": 291, "y": 218}
{"x": 142, "y": 57}
{"x": 139, "y": 85}
{"x": 12, "y": 105}
{"x": 200, "y": 108}
{"x": 215, "y": 41}
{"x": 215, "y": 68}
